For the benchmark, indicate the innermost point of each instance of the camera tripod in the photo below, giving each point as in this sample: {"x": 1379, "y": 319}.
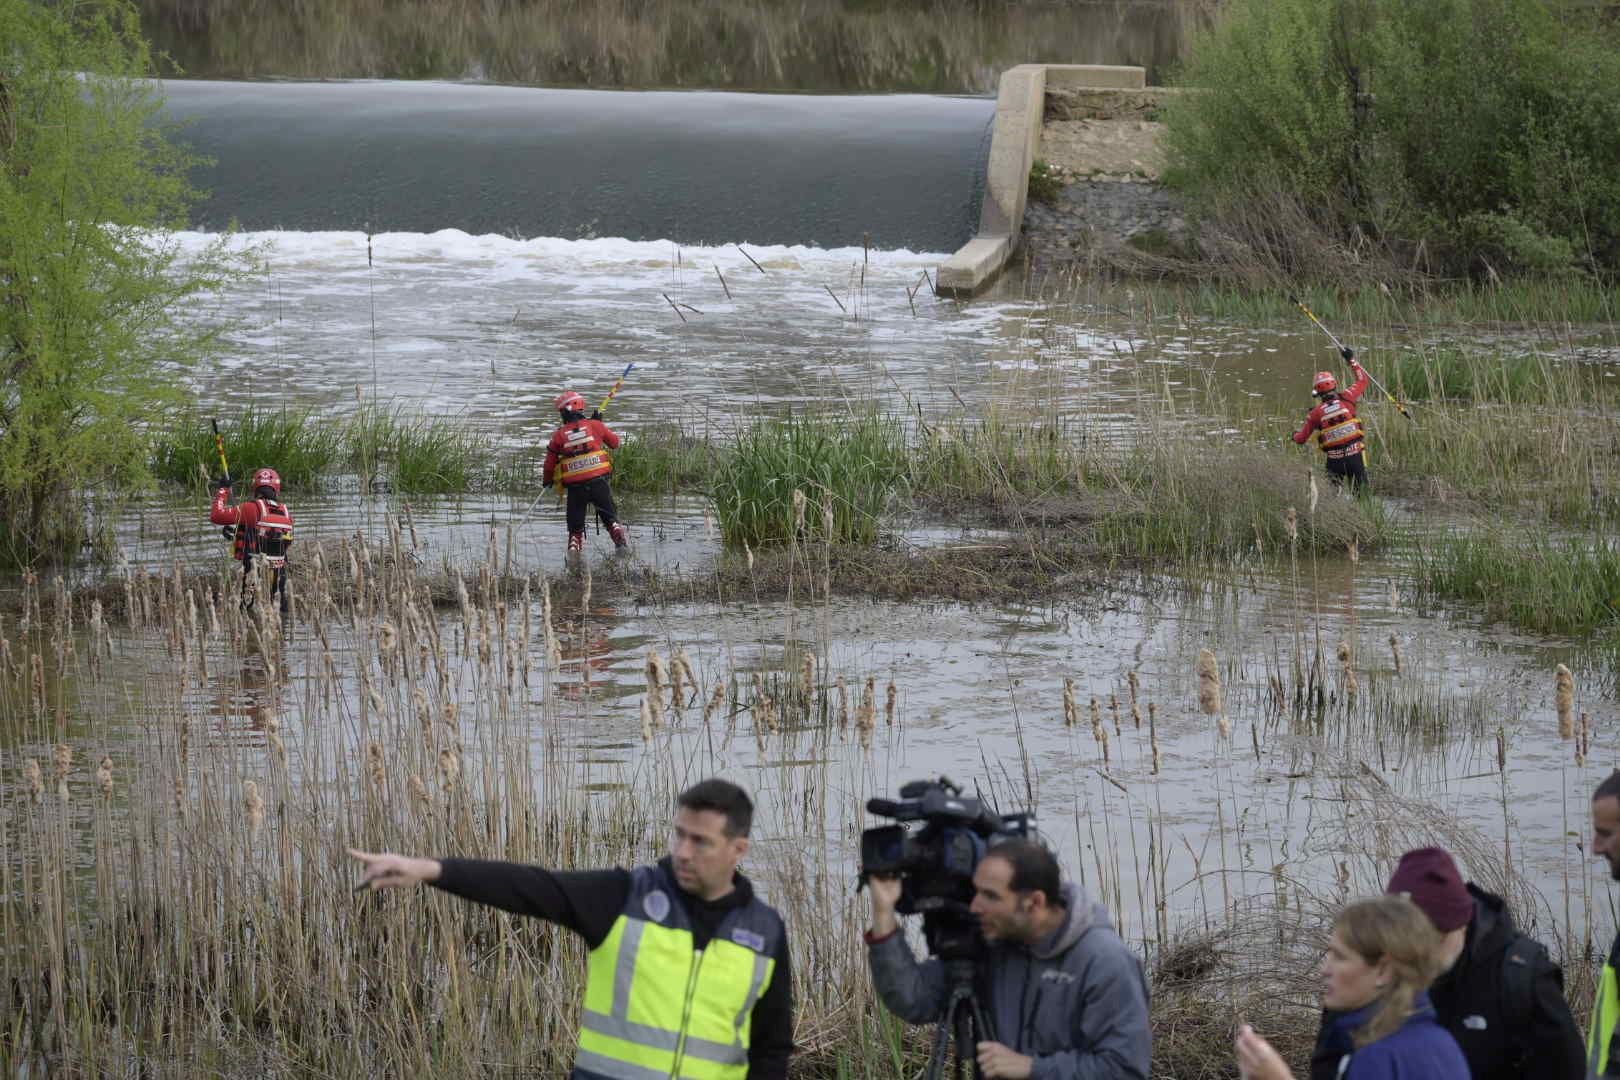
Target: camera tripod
{"x": 963, "y": 1020}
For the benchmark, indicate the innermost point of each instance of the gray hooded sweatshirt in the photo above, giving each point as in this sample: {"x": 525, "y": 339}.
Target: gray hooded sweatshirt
{"x": 1076, "y": 1002}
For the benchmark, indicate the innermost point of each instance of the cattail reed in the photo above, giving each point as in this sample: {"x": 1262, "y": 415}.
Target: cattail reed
{"x": 1312, "y": 475}
{"x": 375, "y": 767}
{"x": 677, "y": 684}
{"x": 1395, "y": 653}
{"x": 1113, "y": 710}
{"x": 449, "y": 768}
{"x": 34, "y": 780}
{"x": 1071, "y": 715}
{"x": 1564, "y": 696}
{"x": 1291, "y": 524}
{"x": 1352, "y": 686}
{"x": 418, "y": 790}
{"x": 889, "y": 697}
{"x": 843, "y": 703}
{"x": 62, "y": 758}
{"x": 866, "y": 717}
{"x": 1099, "y": 732}
{"x": 1353, "y": 549}
{"x": 798, "y": 513}
{"x": 657, "y": 677}
{"x": 646, "y": 721}
{"x": 1209, "y": 691}
{"x": 1583, "y": 744}
{"x": 104, "y": 777}
{"x": 1153, "y": 735}
{"x": 716, "y": 700}
{"x": 253, "y": 805}
{"x": 807, "y": 678}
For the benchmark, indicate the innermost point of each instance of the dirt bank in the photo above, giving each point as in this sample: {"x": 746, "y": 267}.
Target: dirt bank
{"x": 1104, "y": 149}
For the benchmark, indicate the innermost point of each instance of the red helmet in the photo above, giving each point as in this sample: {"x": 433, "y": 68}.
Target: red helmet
{"x": 1325, "y": 383}
{"x": 568, "y": 401}
{"x": 267, "y": 478}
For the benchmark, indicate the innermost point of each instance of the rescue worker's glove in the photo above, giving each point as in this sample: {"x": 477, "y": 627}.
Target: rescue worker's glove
{"x": 223, "y": 483}
{"x": 1349, "y": 355}
{"x": 596, "y": 414}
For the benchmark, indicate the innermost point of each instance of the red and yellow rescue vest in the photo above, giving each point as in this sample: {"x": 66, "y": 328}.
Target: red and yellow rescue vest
{"x": 1339, "y": 429}
{"x": 270, "y": 536}
{"x": 582, "y": 456}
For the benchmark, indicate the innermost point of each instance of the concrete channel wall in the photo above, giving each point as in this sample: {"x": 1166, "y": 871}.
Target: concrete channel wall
{"x": 1014, "y": 141}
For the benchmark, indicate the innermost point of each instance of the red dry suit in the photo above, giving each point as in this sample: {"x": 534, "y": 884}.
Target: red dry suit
{"x": 1338, "y": 429}
{"x": 263, "y": 526}
{"x": 580, "y": 449}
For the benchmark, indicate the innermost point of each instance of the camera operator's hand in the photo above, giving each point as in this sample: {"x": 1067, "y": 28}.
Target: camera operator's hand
{"x": 885, "y": 892}
{"x": 999, "y": 1062}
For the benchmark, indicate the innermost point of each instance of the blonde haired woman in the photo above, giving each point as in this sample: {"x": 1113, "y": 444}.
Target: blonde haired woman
{"x": 1383, "y": 955}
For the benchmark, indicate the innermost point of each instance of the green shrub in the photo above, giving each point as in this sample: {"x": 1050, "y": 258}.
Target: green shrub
{"x": 1045, "y": 185}
{"x": 299, "y": 445}
{"x": 1453, "y": 135}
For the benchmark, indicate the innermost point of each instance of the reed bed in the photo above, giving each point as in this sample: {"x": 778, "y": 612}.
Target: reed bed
{"x": 176, "y": 900}
{"x": 935, "y": 46}
{"x": 1403, "y": 300}
{"x": 1538, "y": 583}
{"x": 409, "y": 450}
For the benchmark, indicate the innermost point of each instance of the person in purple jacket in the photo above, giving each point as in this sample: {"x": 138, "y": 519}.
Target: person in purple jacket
{"x": 1379, "y": 964}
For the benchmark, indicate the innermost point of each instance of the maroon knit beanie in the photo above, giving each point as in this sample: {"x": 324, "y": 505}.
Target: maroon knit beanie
{"x": 1429, "y": 878}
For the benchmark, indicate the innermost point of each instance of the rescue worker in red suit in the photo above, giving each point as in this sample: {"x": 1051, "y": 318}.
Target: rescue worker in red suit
{"x": 577, "y": 459}
{"x": 263, "y": 528}
{"x": 1338, "y": 430}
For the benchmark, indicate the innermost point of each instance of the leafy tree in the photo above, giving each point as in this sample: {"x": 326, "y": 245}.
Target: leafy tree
{"x": 92, "y": 286}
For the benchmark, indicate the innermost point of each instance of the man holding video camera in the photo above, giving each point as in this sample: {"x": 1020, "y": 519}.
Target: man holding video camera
{"x": 1066, "y": 999}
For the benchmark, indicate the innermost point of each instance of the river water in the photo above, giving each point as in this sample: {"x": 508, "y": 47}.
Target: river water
{"x": 455, "y": 316}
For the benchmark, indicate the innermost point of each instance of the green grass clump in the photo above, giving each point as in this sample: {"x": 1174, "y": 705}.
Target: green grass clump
{"x": 852, "y": 463}
{"x": 418, "y": 452}
{"x": 1223, "y": 502}
{"x": 300, "y": 446}
{"x": 1464, "y": 375}
{"x": 436, "y": 454}
{"x": 993, "y": 457}
{"x": 1535, "y": 583}
{"x": 660, "y": 459}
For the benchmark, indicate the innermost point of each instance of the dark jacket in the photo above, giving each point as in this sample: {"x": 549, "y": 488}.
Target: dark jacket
{"x": 589, "y": 901}
{"x": 1419, "y": 1050}
{"x": 1501, "y": 1039}
{"x": 1076, "y": 1002}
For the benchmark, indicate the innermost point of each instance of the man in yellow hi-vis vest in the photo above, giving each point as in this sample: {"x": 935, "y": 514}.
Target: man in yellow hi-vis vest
{"x": 688, "y": 975}
{"x": 1601, "y": 1058}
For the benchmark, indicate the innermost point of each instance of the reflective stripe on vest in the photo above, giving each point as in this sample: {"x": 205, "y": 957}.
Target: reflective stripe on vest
{"x": 657, "y": 1007}
{"x": 586, "y": 466}
{"x": 1605, "y": 1015}
{"x": 1339, "y": 428}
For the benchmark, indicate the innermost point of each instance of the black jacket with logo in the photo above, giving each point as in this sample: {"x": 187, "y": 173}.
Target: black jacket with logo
{"x": 1471, "y": 1002}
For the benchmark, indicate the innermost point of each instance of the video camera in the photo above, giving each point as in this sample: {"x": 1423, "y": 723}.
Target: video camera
{"x": 936, "y": 862}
